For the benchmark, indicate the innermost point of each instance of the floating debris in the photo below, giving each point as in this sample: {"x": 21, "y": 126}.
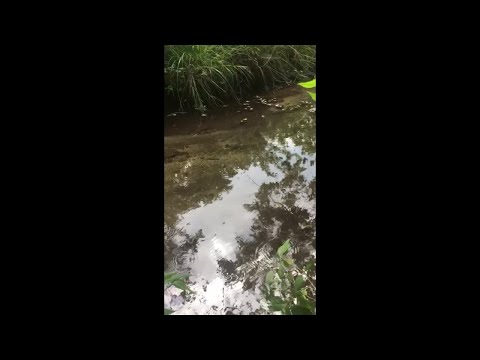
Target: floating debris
{"x": 204, "y": 115}
{"x": 279, "y": 106}
{"x": 263, "y": 116}
{"x": 250, "y": 109}
{"x": 243, "y": 120}
{"x": 172, "y": 114}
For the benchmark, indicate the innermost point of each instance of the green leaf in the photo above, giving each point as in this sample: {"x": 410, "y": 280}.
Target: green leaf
{"x": 303, "y": 301}
{"x": 299, "y": 283}
{"x": 280, "y": 272}
{"x": 267, "y": 288}
{"x": 277, "y": 307}
{"x": 289, "y": 261}
{"x": 276, "y": 304}
{"x": 290, "y": 276}
{"x": 313, "y": 95}
{"x": 178, "y": 277}
{"x": 168, "y": 276}
{"x": 167, "y": 311}
{"x": 284, "y": 248}
{"x": 276, "y": 300}
{"x": 269, "y": 278}
{"x": 300, "y": 310}
{"x": 172, "y": 276}
{"x": 310, "y": 264}
{"x": 181, "y": 285}
{"x": 309, "y": 84}
{"x": 285, "y": 284}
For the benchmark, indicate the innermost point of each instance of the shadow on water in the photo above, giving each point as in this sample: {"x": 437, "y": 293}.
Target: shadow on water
{"x": 234, "y": 192}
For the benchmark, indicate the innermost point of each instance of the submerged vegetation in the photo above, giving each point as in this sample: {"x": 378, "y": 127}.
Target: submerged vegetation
{"x": 197, "y": 76}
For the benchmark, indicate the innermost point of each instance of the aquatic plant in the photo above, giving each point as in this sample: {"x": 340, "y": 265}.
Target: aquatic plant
{"x": 177, "y": 280}
{"x": 290, "y": 288}
{"x": 197, "y": 76}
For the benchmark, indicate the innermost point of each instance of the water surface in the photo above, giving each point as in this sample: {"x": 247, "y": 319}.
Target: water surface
{"x": 234, "y": 192}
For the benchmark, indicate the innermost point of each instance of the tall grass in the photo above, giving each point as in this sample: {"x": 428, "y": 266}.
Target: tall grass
{"x": 208, "y": 75}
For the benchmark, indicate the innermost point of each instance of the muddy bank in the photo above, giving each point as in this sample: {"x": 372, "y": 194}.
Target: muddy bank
{"x": 231, "y": 115}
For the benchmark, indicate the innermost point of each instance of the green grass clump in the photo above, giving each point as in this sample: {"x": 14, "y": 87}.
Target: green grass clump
{"x": 197, "y": 76}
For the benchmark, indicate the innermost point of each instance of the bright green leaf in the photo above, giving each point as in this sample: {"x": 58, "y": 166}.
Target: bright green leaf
{"x": 284, "y": 248}
{"x": 313, "y": 95}
{"x": 299, "y": 283}
{"x": 309, "y": 84}
{"x": 167, "y": 311}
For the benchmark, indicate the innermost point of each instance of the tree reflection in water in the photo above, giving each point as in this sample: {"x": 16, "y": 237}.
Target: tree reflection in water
{"x": 282, "y": 205}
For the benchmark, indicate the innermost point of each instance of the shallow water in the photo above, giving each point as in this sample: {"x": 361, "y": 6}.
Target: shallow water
{"x": 234, "y": 192}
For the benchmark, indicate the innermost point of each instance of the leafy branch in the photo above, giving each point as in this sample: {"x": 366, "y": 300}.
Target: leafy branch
{"x": 288, "y": 287}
